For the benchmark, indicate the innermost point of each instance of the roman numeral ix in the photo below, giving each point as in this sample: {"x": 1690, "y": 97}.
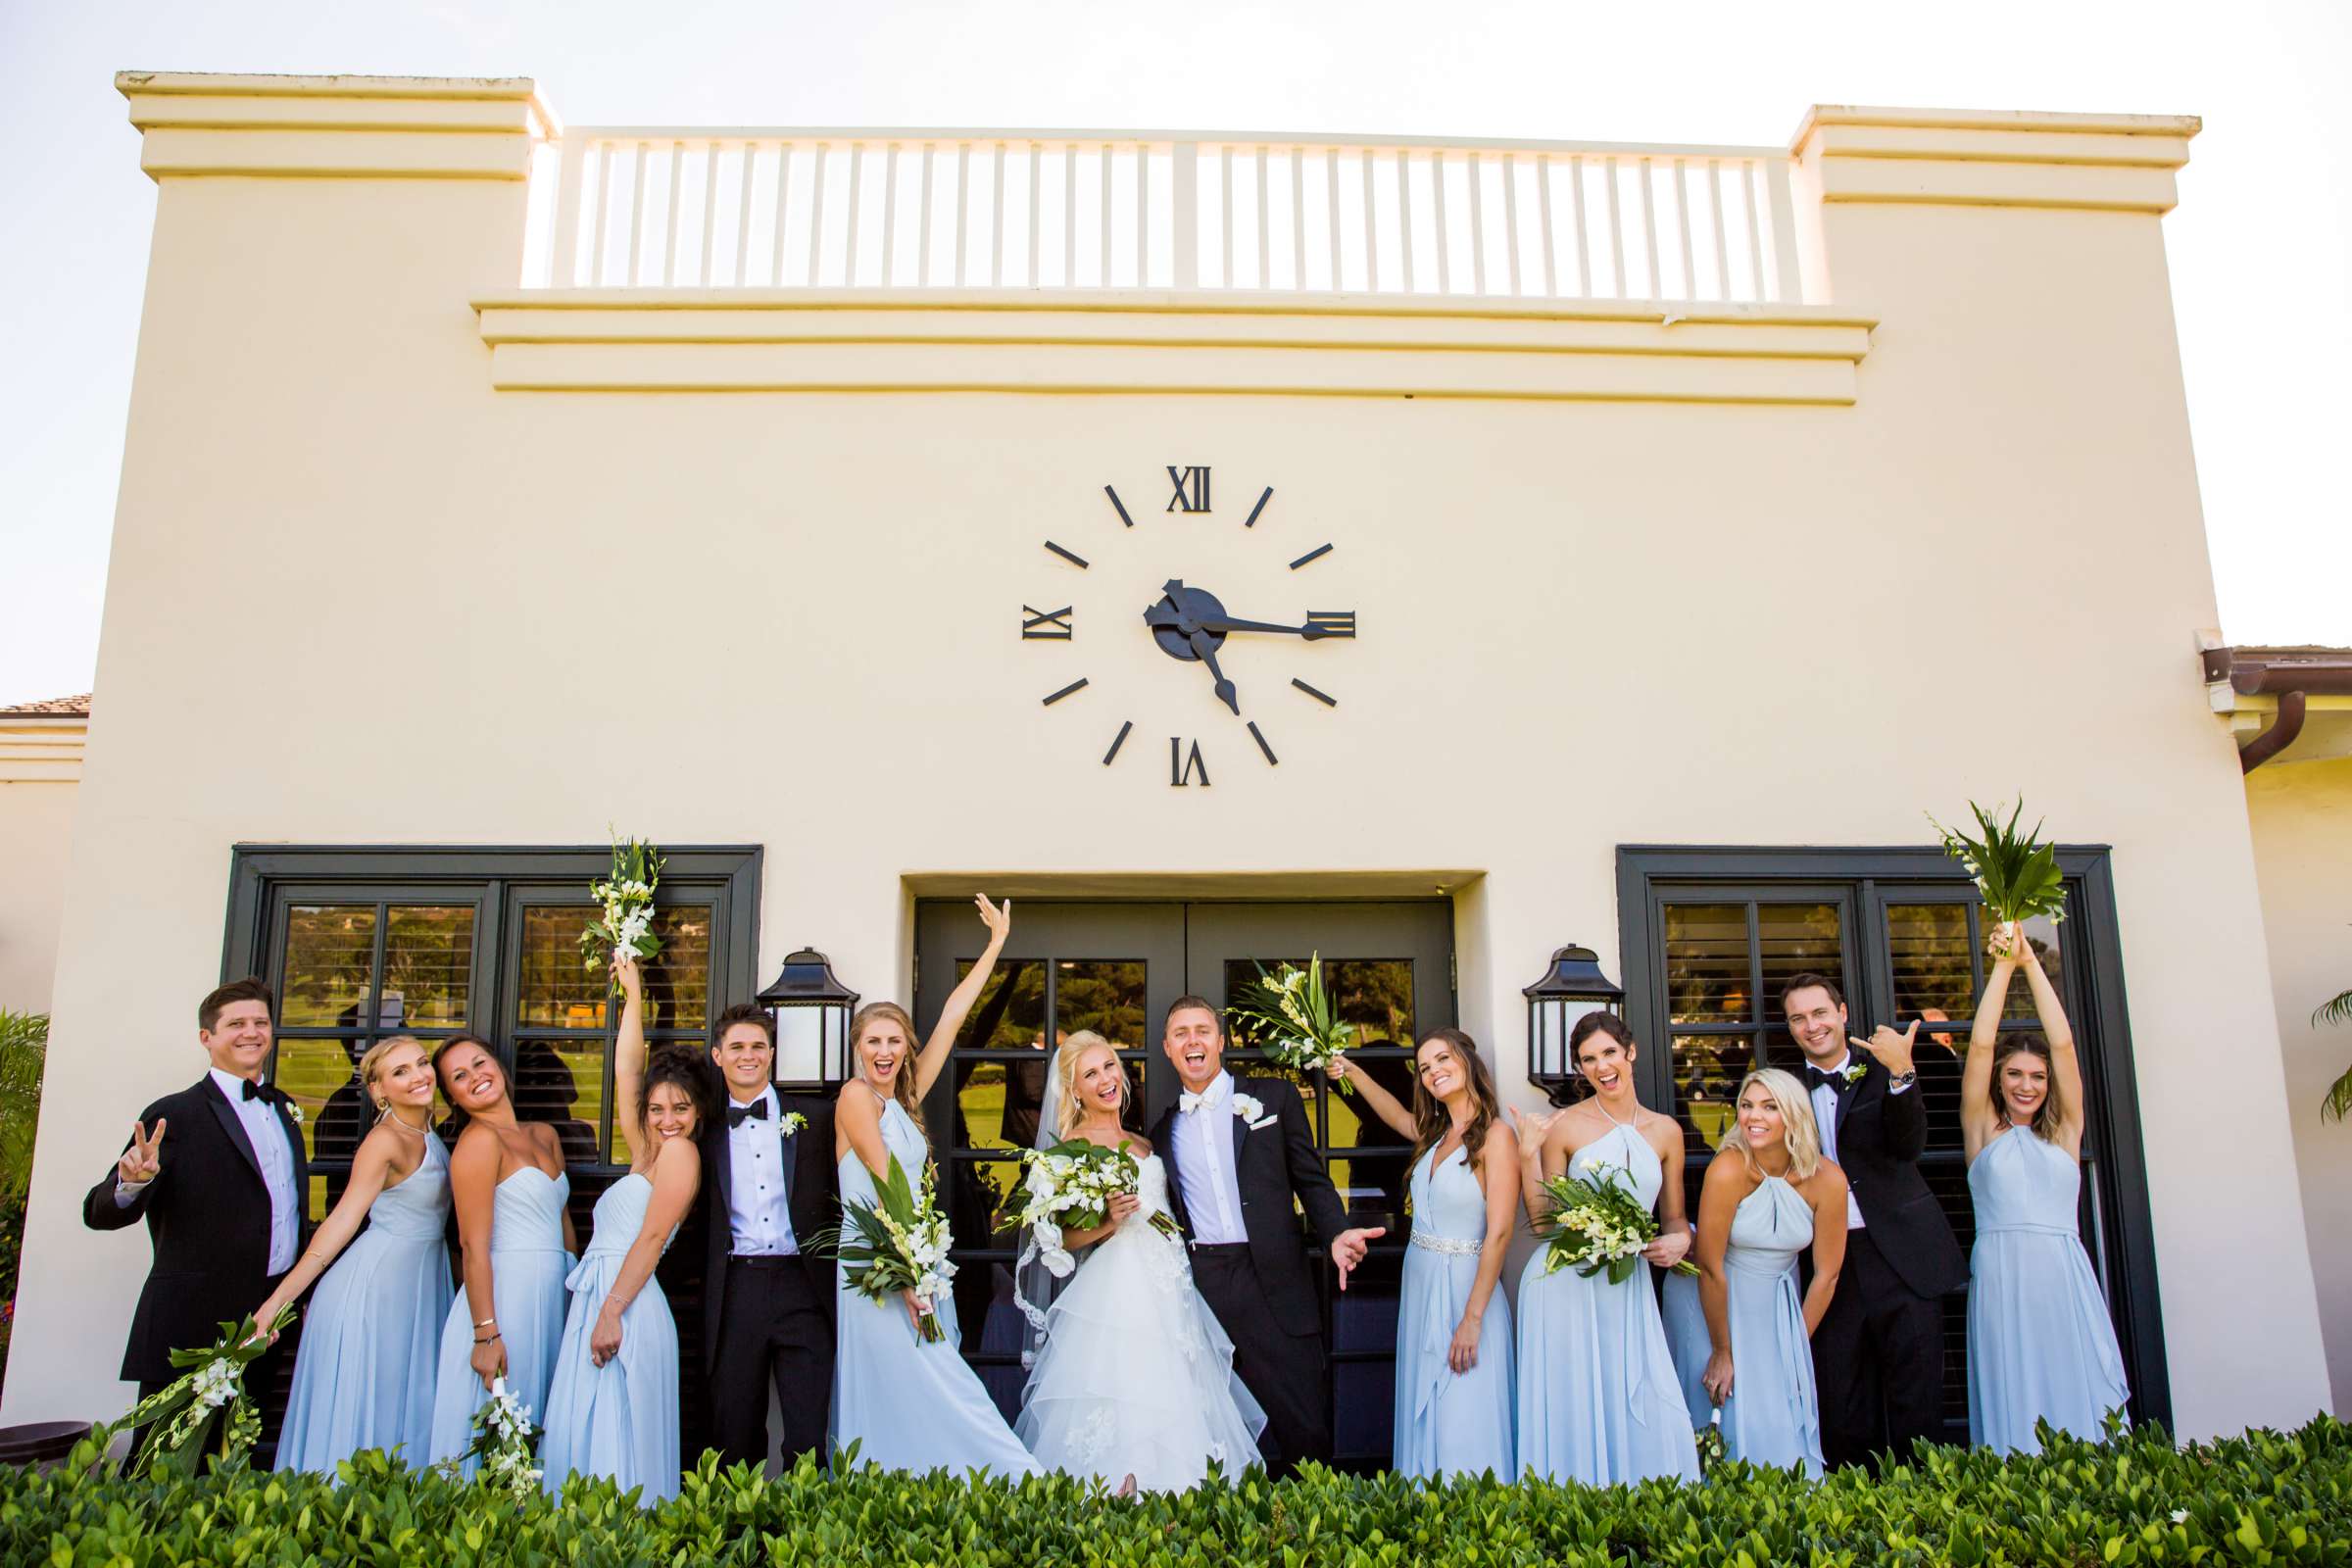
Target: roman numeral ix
{"x": 1045, "y": 624}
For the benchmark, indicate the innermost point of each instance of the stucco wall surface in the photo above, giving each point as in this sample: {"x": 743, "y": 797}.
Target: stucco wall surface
{"x": 2302, "y": 817}
{"x": 496, "y": 616}
{"x": 36, "y": 829}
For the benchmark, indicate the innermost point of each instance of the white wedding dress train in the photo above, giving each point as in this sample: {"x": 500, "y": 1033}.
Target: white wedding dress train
{"x": 1136, "y": 1374}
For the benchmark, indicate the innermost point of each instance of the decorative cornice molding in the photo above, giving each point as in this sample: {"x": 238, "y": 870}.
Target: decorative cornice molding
{"x": 2107, "y": 163}
{"x": 348, "y": 127}
{"x": 755, "y": 340}
{"x": 42, "y": 749}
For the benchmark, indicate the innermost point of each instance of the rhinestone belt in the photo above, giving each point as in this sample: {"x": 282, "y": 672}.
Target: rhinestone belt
{"x": 1450, "y": 1246}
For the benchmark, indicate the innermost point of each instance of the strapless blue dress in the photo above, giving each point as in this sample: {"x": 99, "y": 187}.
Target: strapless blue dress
{"x": 528, "y": 1265}
{"x": 1449, "y": 1422}
{"x": 622, "y": 1419}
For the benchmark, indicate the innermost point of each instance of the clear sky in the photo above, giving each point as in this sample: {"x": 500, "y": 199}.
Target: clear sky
{"x": 2261, "y": 246}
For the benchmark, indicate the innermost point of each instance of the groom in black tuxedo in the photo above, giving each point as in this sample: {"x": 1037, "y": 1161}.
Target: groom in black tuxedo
{"x": 1241, "y": 1163}
{"x": 218, "y": 1172}
{"x": 1878, "y": 1356}
{"x": 768, "y": 1188}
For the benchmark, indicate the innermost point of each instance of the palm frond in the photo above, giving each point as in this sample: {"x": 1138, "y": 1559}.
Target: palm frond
{"x": 2336, "y": 1009}
{"x": 23, "y": 1052}
{"x": 2339, "y": 1103}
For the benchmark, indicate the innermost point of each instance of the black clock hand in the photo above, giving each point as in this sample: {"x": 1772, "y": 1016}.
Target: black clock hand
{"x": 1311, "y": 632}
{"x": 1207, "y": 647}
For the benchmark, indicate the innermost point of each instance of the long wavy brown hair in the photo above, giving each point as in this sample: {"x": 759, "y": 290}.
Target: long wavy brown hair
{"x": 1431, "y": 1118}
{"x": 902, "y": 1086}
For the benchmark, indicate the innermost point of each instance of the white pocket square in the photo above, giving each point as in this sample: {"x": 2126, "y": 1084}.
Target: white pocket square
{"x": 1262, "y": 1122}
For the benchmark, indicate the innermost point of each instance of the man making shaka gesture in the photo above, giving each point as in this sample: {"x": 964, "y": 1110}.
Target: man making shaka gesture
{"x": 1878, "y": 1356}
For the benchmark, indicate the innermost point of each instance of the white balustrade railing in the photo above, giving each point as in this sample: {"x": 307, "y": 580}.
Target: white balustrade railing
{"x": 709, "y": 207}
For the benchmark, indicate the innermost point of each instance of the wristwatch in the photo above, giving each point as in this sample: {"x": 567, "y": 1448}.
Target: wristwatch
{"x": 1904, "y": 1080}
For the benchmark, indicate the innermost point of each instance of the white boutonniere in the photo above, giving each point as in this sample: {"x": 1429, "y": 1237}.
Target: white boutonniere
{"x": 293, "y": 1111}
{"x": 792, "y": 1123}
{"x": 1855, "y": 1071}
{"x": 1251, "y": 1111}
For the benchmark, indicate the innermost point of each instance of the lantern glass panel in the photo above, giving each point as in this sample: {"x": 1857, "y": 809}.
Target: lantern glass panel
{"x": 801, "y": 1044}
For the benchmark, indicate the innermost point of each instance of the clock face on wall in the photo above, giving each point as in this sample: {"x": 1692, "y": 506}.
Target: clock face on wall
{"x": 1176, "y": 602}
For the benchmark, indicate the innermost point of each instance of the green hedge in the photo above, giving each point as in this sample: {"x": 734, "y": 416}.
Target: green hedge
{"x": 2267, "y": 1497}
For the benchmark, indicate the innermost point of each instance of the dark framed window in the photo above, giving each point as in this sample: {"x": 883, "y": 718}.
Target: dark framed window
{"x": 1711, "y": 934}
{"x": 361, "y": 942}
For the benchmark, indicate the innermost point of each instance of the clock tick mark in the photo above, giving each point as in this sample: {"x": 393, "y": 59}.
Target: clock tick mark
{"x": 1057, "y": 697}
{"x": 1325, "y": 698}
{"x": 1317, "y": 553}
{"x": 1070, "y": 556}
{"x": 1120, "y": 504}
{"x": 1271, "y": 759}
{"x": 1117, "y": 741}
{"x": 1260, "y": 507}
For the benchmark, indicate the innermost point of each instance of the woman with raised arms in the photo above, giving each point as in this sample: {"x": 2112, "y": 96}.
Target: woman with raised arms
{"x": 1453, "y": 1326}
{"x": 907, "y": 1403}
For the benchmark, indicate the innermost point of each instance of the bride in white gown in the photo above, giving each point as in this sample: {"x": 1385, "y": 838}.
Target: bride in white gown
{"x": 1134, "y": 1375}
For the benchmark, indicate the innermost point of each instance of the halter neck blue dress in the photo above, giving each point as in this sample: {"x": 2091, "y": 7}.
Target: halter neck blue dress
{"x": 1774, "y": 1414}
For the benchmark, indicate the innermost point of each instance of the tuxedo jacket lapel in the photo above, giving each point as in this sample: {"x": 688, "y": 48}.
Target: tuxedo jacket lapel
{"x": 1846, "y": 1103}
{"x": 230, "y": 1123}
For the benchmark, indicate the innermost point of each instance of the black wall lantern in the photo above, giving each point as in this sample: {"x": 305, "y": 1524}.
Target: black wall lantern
{"x": 813, "y": 1010}
{"x": 1571, "y": 988}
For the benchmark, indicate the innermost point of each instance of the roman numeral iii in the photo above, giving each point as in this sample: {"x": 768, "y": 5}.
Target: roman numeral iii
{"x": 1330, "y": 623}
{"x": 1037, "y": 624}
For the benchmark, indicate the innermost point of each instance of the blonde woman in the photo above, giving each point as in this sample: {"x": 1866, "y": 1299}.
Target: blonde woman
{"x": 364, "y": 1376}
{"x": 1768, "y": 1196}
{"x": 1134, "y": 1384}
{"x": 908, "y": 1403}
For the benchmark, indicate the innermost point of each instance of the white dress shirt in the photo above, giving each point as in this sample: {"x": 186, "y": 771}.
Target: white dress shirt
{"x": 1205, "y": 1166}
{"x": 1825, "y": 1115}
{"x": 267, "y": 1135}
{"x": 758, "y": 1203}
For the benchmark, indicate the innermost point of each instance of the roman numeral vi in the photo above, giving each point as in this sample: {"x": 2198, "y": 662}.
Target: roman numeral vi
{"x": 1184, "y": 767}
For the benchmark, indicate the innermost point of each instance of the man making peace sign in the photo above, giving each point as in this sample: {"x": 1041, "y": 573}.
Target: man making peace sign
{"x": 216, "y": 1171}
{"x": 1877, "y": 1356}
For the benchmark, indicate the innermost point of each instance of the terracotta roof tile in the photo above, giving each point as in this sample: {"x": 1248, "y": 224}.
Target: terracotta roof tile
{"x": 53, "y": 708}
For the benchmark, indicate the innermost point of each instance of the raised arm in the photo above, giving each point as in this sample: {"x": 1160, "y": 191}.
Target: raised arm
{"x": 121, "y": 1195}
{"x": 628, "y": 1060}
{"x": 998, "y": 920}
{"x": 1975, "y": 1075}
{"x": 676, "y": 1176}
{"x": 474, "y": 1191}
{"x": 1826, "y": 1191}
{"x": 1728, "y": 1182}
{"x": 1535, "y": 1158}
{"x": 1392, "y": 1111}
{"x": 1498, "y": 1174}
{"x": 371, "y": 1173}
{"x": 2066, "y": 1066}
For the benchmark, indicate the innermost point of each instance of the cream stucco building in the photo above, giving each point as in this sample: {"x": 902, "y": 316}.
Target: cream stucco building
{"x": 1675, "y": 527}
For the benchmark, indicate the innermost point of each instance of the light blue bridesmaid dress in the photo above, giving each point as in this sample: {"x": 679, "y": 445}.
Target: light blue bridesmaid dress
{"x": 906, "y": 1404}
{"x": 1685, "y": 1319}
{"x": 620, "y": 1419}
{"x": 364, "y": 1376}
{"x": 1774, "y": 1415}
{"x": 2040, "y": 1344}
{"x": 1449, "y": 1423}
{"x": 1598, "y": 1400}
{"x": 528, "y": 1265}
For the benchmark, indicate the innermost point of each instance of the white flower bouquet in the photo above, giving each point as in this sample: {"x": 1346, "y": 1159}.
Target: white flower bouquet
{"x": 626, "y": 904}
{"x": 180, "y": 1416}
{"x": 899, "y": 1242}
{"x": 504, "y": 1440}
{"x": 1597, "y": 1222}
{"x": 1069, "y": 1188}
{"x": 1297, "y": 1019}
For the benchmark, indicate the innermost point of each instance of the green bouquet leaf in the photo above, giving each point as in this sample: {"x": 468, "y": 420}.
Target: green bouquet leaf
{"x": 2016, "y": 873}
{"x": 897, "y": 1243}
{"x": 1297, "y": 1017}
{"x": 210, "y": 1397}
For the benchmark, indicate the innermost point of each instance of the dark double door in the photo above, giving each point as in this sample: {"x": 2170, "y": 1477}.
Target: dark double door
{"x": 1114, "y": 968}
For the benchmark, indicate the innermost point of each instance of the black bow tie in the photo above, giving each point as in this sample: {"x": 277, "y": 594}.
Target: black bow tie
{"x": 1835, "y": 1082}
{"x": 262, "y": 1092}
{"x": 757, "y": 1111}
